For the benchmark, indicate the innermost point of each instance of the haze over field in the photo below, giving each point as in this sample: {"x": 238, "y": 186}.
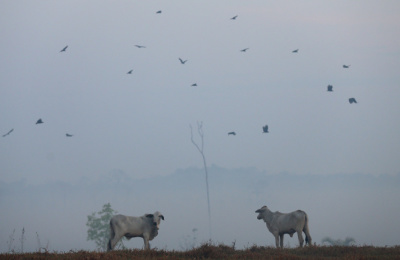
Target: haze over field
{"x": 338, "y": 206}
{"x": 117, "y": 86}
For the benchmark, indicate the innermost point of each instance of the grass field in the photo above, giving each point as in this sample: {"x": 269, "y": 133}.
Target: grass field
{"x": 209, "y": 251}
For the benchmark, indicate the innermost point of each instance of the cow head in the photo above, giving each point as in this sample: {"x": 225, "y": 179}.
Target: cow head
{"x": 261, "y": 211}
{"x": 156, "y": 218}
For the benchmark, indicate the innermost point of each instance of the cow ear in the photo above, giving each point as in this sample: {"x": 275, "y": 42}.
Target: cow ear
{"x": 162, "y": 217}
{"x": 261, "y": 210}
{"x": 149, "y": 215}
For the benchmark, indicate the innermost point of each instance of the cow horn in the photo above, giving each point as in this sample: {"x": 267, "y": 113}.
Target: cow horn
{"x": 149, "y": 215}
{"x": 162, "y": 217}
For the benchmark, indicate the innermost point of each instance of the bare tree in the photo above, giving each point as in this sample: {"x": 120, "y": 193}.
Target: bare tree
{"x": 22, "y": 239}
{"x": 201, "y": 150}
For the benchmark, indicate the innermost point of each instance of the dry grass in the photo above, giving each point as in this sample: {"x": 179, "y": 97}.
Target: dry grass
{"x": 209, "y": 251}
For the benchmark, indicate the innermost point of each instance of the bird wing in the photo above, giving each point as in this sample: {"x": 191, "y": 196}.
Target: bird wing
{"x": 8, "y": 132}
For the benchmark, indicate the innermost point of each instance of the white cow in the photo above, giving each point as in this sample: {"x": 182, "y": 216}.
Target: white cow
{"x": 285, "y": 223}
{"x": 145, "y": 226}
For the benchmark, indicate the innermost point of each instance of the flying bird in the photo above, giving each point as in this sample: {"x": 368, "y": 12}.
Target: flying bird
{"x": 140, "y": 46}
{"x": 182, "y": 61}
{"x": 64, "y": 49}
{"x": 9, "y": 132}
{"x": 194, "y": 85}
{"x": 296, "y": 51}
{"x": 158, "y": 12}
{"x": 352, "y": 100}
{"x": 234, "y": 18}
{"x": 265, "y": 129}
{"x": 346, "y": 66}
{"x": 244, "y": 50}
{"x": 231, "y": 133}
{"x": 129, "y": 72}
{"x": 69, "y": 135}
{"x": 39, "y": 121}
{"x": 330, "y": 88}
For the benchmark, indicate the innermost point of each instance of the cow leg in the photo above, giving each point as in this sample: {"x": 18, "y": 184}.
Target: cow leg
{"x": 146, "y": 241}
{"x": 300, "y": 235}
{"x": 114, "y": 240}
{"x": 281, "y": 237}
{"x": 277, "y": 240}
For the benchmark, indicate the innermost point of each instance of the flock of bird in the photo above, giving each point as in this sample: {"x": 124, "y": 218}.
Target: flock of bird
{"x": 39, "y": 121}
{"x": 264, "y": 128}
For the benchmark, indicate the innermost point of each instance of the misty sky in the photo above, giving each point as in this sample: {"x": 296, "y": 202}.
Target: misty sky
{"x": 138, "y": 125}
{"x": 139, "y": 122}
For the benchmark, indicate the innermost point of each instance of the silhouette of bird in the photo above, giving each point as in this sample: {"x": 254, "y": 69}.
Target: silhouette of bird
{"x": 346, "y": 66}
{"x": 330, "y": 88}
{"x": 265, "y": 129}
{"x": 182, "y": 61}
{"x": 140, "y": 46}
{"x": 234, "y": 18}
{"x": 64, "y": 49}
{"x": 39, "y": 121}
{"x": 296, "y": 51}
{"x": 231, "y": 133}
{"x": 158, "y": 12}
{"x": 9, "y": 132}
{"x": 244, "y": 50}
{"x": 352, "y": 100}
{"x": 194, "y": 85}
{"x": 129, "y": 72}
{"x": 69, "y": 135}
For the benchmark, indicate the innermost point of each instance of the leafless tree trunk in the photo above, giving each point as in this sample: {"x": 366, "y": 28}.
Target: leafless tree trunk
{"x": 201, "y": 150}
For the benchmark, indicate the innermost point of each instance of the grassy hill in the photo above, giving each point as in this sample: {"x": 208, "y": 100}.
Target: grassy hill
{"x": 209, "y": 251}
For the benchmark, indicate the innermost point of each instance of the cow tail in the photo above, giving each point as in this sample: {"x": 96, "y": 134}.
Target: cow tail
{"x": 306, "y": 230}
{"x": 112, "y": 234}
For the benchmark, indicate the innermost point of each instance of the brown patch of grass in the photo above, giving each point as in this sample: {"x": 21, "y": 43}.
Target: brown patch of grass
{"x": 210, "y": 251}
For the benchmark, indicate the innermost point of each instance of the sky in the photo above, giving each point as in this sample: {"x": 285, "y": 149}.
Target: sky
{"x": 139, "y": 122}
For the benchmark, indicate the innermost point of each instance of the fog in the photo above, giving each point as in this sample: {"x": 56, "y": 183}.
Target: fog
{"x": 136, "y": 126}
{"x": 364, "y": 207}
